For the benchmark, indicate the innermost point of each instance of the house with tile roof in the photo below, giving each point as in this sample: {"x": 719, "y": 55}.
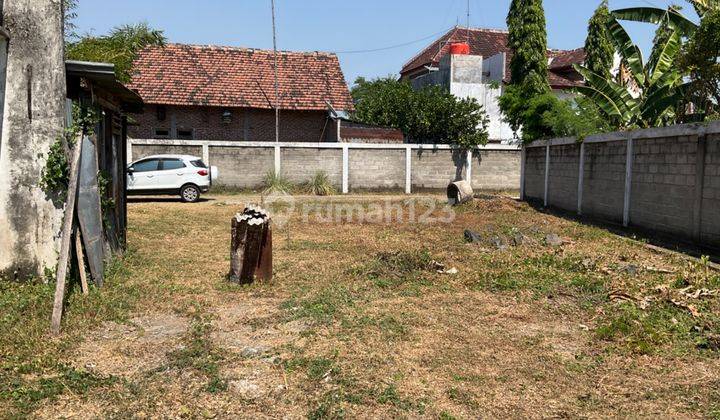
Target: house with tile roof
{"x": 227, "y": 93}
{"x": 484, "y": 70}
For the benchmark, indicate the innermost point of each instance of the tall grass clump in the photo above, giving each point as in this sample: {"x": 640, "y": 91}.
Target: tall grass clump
{"x": 320, "y": 185}
{"x": 276, "y": 183}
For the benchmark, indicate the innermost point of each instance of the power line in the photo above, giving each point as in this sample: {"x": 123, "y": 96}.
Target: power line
{"x": 405, "y": 44}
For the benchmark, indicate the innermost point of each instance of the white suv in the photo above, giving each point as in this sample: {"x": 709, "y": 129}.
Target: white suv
{"x": 183, "y": 175}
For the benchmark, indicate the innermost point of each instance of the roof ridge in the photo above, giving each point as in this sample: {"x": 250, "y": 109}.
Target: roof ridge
{"x": 566, "y": 51}
{"x": 451, "y": 30}
{"x": 493, "y": 30}
{"x": 248, "y": 49}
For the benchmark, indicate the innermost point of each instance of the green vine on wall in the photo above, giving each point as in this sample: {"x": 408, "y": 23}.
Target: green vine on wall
{"x": 56, "y": 174}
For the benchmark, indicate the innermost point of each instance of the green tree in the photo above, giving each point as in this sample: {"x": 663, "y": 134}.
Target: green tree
{"x": 428, "y": 115}
{"x": 119, "y": 47}
{"x": 700, "y": 58}
{"x": 599, "y": 49}
{"x": 527, "y": 39}
{"x": 546, "y": 116}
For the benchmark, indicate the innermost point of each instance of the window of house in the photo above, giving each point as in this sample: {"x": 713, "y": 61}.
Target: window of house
{"x": 171, "y": 164}
{"x": 161, "y": 113}
{"x": 185, "y": 134}
{"x": 161, "y": 133}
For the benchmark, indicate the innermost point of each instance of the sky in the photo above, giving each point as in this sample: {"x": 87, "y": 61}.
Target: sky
{"x": 399, "y": 29}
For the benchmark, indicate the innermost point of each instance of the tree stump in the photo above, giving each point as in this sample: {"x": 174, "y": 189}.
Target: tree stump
{"x": 251, "y": 246}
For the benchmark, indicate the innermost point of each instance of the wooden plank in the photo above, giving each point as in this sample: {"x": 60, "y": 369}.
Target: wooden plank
{"x": 66, "y": 238}
{"x": 81, "y": 261}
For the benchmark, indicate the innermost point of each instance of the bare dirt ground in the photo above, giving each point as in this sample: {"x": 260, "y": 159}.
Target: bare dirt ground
{"x": 365, "y": 319}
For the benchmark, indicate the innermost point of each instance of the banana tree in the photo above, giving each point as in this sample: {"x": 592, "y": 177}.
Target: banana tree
{"x": 657, "y": 86}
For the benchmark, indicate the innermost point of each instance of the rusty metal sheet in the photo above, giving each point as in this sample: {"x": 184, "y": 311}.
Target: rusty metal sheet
{"x": 89, "y": 213}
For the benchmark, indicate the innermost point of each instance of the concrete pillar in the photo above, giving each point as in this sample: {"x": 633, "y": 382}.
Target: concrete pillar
{"x": 33, "y": 119}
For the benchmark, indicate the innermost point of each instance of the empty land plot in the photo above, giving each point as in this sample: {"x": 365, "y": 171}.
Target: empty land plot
{"x": 374, "y": 317}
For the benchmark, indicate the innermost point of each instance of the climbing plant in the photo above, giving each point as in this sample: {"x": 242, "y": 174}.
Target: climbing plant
{"x": 56, "y": 174}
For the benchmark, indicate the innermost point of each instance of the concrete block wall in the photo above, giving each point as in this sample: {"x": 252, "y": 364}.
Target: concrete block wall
{"x": 242, "y": 167}
{"x": 604, "y": 180}
{"x": 495, "y": 170}
{"x": 535, "y": 172}
{"x": 563, "y": 178}
{"x": 435, "y": 169}
{"x": 145, "y": 150}
{"x": 377, "y": 169}
{"x": 673, "y": 186}
{"x": 663, "y": 183}
{"x": 710, "y": 213}
{"x": 300, "y": 165}
{"x": 350, "y": 166}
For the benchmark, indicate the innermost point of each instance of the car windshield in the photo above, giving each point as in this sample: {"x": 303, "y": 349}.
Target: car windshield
{"x": 198, "y": 163}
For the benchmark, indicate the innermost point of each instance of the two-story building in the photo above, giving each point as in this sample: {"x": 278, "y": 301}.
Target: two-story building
{"x": 475, "y": 63}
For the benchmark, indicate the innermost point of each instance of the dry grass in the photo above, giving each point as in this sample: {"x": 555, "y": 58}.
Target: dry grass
{"x": 359, "y": 323}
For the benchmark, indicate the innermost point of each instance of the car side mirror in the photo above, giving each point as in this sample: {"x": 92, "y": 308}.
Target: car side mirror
{"x": 131, "y": 170}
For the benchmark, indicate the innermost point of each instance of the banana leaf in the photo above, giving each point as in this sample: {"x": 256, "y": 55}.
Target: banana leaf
{"x": 628, "y": 51}
{"x": 658, "y": 103}
{"x": 656, "y": 16}
{"x": 666, "y": 57}
{"x": 601, "y": 100}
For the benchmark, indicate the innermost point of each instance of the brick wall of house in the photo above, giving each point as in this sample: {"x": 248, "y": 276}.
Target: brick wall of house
{"x": 245, "y": 124}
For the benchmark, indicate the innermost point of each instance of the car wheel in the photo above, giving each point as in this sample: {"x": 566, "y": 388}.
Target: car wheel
{"x": 190, "y": 193}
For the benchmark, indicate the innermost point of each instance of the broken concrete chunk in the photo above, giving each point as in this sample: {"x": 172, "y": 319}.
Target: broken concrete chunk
{"x": 518, "y": 239}
{"x": 499, "y": 243}
{"x": 552, "y": 239}
{"x": 472, "y": 237}
{"x": 631, "y": 269}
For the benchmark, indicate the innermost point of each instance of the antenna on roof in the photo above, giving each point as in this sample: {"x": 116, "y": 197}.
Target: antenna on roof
{"x": 277, "y": 88}
{"x": 467, "y": 31}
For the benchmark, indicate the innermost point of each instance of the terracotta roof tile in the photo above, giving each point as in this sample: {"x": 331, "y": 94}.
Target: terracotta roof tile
{"x": 565, "y": 59}
{"x": 239, "y": 77}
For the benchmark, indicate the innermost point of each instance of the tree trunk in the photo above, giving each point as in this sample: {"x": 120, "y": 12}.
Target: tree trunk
{"x": 250, "y": 246}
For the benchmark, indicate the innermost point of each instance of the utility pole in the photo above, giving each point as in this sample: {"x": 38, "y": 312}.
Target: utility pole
{"x": 277, "y": 86}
